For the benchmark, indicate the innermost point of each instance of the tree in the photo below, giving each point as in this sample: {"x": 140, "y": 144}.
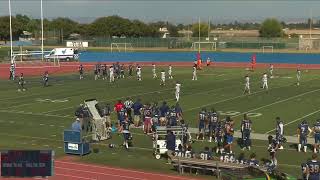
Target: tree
{"x": 173, "y": 30}
{"x": 65, "y": 26}
{"x": 271, "y": 28}
{"x": 5, "y": 28}
{"x": 203, "y": 29}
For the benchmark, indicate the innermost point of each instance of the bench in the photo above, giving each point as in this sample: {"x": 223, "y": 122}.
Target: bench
{"x": 213, "y": 166}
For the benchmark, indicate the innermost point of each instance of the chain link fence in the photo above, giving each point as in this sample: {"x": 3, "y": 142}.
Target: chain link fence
{"x": 185, "y": 43}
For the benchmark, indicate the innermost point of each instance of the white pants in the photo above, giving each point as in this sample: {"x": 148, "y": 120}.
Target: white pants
{"x": 177, "y": 95}
{"x": 163, "y": 80}
{"x": 154, "y": 75}
{"x": 111, "y": 77}
{"x": 247, "y": 87}
{"x": 170, "y": 75}
{"x": 194, "y": 77}
{"x": 139, "y": 76}
{"x": 298, "y": 77}
{"x": 265, "y": 85}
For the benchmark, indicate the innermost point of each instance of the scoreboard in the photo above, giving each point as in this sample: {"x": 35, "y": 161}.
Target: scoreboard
{"x": 26, "y": 163}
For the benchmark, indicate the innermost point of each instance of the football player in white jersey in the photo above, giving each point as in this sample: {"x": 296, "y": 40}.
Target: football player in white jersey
{"x": 298, "y": 76}
{"x": 265, "y": 81}
{"x": 111, "y": 74}
{"x": 170, "y": 72}
{"x": 194, "y": 73}
{"x": 247, "y": 85}
{"x": 163, "y": 78}
{"x": 139, "y": 73}
{"x": 154, "y": 74}
{"x": 178, "y": 87}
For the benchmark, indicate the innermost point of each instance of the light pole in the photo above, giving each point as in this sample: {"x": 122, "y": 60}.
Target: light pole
{"x": 11, "y": 52}
{"x": 12, "y": 65}
{"x": 41, "y": 31}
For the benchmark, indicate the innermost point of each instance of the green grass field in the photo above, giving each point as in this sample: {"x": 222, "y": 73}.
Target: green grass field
{"x": 28, "y": 122}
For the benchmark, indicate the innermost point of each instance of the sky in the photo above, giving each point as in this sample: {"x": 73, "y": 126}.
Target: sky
{"x": 168, "y": 10}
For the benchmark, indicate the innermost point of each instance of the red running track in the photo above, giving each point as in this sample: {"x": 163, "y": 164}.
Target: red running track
{"x": 38, "y": 68}
{"x": 67, "y": 170}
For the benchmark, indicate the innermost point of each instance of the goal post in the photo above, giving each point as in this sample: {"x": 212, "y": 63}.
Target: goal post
{"x": 205, "y": 45}
{"x": 121, "y": 47}
{"x": 266, "y": 49}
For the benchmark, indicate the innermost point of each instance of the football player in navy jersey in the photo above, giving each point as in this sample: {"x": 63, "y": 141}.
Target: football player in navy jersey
{"x": 313, "y": 168}
{"x": 279, "y": 132}
{"x": 172, "y": 117}
{"x": 105, "y": 72}
{"x": 202, "y": 120}
{"x": 246, "y": 126}
{"x": 303, "y": 132}
{"x": 81, "y": 71}
{"x": 122, "y": 115}
{"x": 46, "y": 79}
{"x": 316, "y": 131}
{"x": 206, "y": 154}
{"x": 304, "y": 171}
{"x": 147, "y": 119}
{"x": 213, "y": 121}
{"x": 125, "y": 129}
{"x": 219, "y": 136}
{"x": 253, "y": 161}
{"x": 21, "y": 83}
{"x": 273, "y": 148}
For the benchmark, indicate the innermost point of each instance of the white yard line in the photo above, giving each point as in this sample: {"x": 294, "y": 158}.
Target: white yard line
{"x": 134, "y": 95}
{"x": 171, "y": 99}
{"x": 300, "y": 118}
{"x": 225, "y": 100}
{"x": 236, "y": 97}
{"x": 276, "y": 102}
{"x": 35, "y": 114}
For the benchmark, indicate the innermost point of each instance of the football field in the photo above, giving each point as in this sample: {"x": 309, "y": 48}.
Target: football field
{"x": 36, "y": 118}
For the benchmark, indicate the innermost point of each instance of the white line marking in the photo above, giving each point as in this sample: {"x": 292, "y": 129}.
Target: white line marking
{"x": 276, "y": 102}
{"x": 134, "y": 95}
{"x": 236, "y": 97}
{"x": 35, "y": 114}
{"x": 296, "y": 120}
{"x": 31, "y": 137}
{"x": 224, "y": 100}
